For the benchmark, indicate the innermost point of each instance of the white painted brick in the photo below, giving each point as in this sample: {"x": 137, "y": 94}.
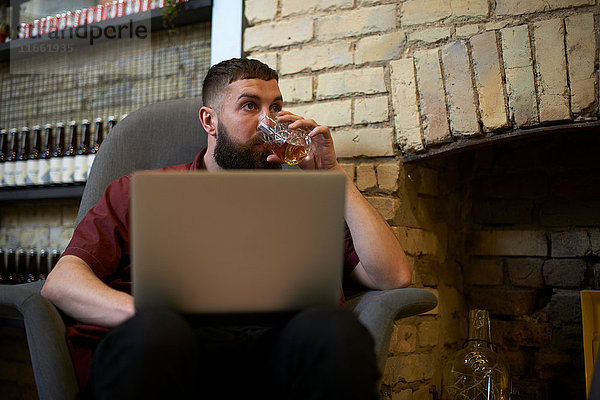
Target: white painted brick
{"x": 69, "y": 215}
{"x": 60, "y": 237}
{"x": 459, "y": 89}
{"x": 305, "y": 6}
{"x": 353, "y": 82}
{"x": 404, "y": 339}
{"x": 429, "y": 35}
{"x": 551, "y": 67}
{"x": 314, "y": 58}
{"x": 404, "y": 102}
{"x": 370, "y": 142}
{"x": 431, "y": 97}
{"x": 515, "y": 7}
{"x": 388, "y": 173}
{"x": 269, "y": 58}
{"x": 488, "y": 80}
{"x": 371, "y": 110}
{"x": 473, "y": 9}
{"x": 365, "y": 176}
{"x": 418, "y": 12}
{"x": 428, "y": 333}
{"x": 349, "y": 169}
{"x": 296, "y": 89}
{"x": 362, "y": 3}
{"x": 518, "y": 67}
{"x": 260, "y": 10}
{"x": 581, "y": 54}
{"x": 379, "y": 47}
{"x": 556, "y": 4}
{"x": 467, "y": 31}
{"x": 359, "y": 22}
{"x": 32, "y": 216}
{"x": 269, "y": 35}
{"x": 497, "y": 25}
{"x": 386, "y": 206}
{"x": 332, "y": 113}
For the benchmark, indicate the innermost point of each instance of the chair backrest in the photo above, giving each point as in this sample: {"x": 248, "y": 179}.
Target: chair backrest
{"x": 155, "y": 136}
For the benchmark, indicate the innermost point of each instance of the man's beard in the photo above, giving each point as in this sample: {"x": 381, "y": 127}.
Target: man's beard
{"x": 230, "y": 155}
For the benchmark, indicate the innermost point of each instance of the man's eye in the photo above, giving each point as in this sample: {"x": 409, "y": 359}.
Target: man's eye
{"x": 249, "y": 106}
{"x": 276, "y": 108}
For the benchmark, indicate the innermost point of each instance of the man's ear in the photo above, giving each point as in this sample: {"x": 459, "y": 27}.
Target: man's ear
{"x": 208, "y": 119}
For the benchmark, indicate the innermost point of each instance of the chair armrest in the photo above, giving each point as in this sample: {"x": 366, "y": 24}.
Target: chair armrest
{"x": 45, "y": 328}
{"x": 377, "y": 310}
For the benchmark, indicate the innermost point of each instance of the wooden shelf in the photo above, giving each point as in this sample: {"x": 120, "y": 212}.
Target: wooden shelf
{"x": 42, "y": 192}
{"x": 191, "y": 12}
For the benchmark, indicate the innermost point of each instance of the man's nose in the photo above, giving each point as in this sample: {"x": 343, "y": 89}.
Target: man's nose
{"x": 269, "y": 112}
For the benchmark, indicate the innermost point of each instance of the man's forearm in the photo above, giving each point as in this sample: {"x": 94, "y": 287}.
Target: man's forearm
{"x": 74, "y": 288}
{"x": 383, "y": 263}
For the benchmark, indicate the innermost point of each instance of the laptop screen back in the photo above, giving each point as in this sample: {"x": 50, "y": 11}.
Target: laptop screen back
{"x": 237, "y": 242}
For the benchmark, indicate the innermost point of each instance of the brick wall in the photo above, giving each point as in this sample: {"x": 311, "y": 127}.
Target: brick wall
{"x": 449, "y": 70}
{"x": 394, "y": 78}
{"x": 533, "y": 243}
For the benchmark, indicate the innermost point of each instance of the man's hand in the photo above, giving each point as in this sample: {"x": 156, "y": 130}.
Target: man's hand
{"x": 322, "y": 154}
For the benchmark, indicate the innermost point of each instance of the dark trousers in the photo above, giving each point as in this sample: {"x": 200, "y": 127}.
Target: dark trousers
{"x": 320, "y": 353}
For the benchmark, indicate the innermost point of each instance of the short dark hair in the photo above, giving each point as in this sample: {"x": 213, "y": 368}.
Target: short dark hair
{"x": 222, "y": 74}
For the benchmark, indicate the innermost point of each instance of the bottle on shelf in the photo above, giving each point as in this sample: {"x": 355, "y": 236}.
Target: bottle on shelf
{"x": 21, "y": 163}
{"x": 44, "y": 157}
{"x": 68, "y": 162}
{"x": 54, "y": 257}
{"x": 98, "y": 138}
{"x": 22, "y": 266}
{"x": 2, "y": 267}
{"x": 112, "y": 121}
{"x": 81, "y": 154}
{"x": 33, "y": 166}
{"x": 3, "y": 154}
{"x": 11, "y": 159}
{"x": 33, "y": 266}
{"x": 56, "y": 158}
{"x": 11, "y": 267}
{"x": 43, "y": 270}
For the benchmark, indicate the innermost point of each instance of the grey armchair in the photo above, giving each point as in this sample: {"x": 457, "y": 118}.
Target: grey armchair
{"x": 154, "y": 136}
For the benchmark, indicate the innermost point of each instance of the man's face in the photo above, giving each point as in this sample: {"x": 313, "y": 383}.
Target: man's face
{"x": 245, "y": 103}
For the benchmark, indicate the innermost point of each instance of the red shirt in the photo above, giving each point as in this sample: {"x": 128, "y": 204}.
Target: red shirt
{"x": 102, "y": 240}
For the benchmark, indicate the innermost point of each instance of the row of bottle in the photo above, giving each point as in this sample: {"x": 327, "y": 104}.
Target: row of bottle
{"x": 36, "y": 158}
{"x": 23, "y": 266}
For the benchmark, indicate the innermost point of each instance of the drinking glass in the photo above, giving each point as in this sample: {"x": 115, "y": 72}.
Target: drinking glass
{"x": 290, "y": 145}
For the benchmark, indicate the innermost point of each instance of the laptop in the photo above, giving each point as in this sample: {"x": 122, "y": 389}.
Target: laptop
{"x": 237, "y": 242}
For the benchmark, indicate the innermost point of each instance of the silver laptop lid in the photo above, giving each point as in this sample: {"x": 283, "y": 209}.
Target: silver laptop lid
{"x": 237, "y": 242}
